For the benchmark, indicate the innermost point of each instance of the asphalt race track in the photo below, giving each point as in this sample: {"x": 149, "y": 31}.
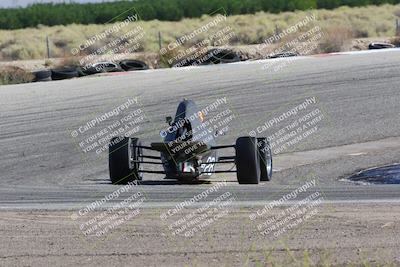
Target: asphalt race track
{"x": 42, "y": 165}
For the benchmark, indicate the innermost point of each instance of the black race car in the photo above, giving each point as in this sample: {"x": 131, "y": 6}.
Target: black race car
{"x": 189, "y": 152}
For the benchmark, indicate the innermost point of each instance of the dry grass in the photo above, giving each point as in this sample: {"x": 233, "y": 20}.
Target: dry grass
{"x": 14, "y": 75}
{"x": 395, "y": 41}
{"x": 334, "y": 39}
{"x": 368, "y": 21}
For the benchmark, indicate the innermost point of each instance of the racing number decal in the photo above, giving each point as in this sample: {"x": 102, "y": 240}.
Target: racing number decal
{"x": 209, "y": 167}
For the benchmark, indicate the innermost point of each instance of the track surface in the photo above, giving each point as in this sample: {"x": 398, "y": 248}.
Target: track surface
{"x": 42, "y": 166}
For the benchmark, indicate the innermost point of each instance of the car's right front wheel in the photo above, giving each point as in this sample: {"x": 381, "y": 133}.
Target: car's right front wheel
{"x": 265, "y": 156}
{"x": 247, "y": 160}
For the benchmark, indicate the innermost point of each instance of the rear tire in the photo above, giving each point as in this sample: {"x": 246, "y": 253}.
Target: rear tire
{"x": 247, "y": 160}
{"x": 122, "y": 154}
{"x": 265, "y": 156}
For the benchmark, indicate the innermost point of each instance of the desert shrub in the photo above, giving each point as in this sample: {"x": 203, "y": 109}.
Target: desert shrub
{"x": 395, "y": 41}
{"x": 334, "y": 38}
{"x": 359, "y": 33}
{"x": 13, "y": 75}
{"x": 17, "y": 51}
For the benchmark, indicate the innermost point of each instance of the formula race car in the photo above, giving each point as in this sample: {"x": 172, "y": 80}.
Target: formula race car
{"x": 188, "y": 152}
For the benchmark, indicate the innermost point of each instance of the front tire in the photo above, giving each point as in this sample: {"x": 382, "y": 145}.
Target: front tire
{"x": 123, "y": 160}
{"x": 247, "y": 160}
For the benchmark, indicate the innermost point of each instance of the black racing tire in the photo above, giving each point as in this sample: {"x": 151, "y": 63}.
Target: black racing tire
{"x": 247, "y": 160}
{"x": 101, "y": 67}
{"x": 42, "y": 75}
{"x": 265, "y": 156}
{"x": 122, "y": 154}
{"x": 380, "y": 46}
{"x": 131, "y": 65}
{"x": 64, "y": 73}
{"x": 222, "y": 56}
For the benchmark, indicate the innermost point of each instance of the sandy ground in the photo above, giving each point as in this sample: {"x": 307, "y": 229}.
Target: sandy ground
{"x": 336, "y": 235}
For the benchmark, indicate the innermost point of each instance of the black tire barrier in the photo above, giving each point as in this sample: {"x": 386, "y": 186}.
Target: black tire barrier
{"x": 284, "y": 54}
{"x": 101, "y": 67}
{"x": 214, "y": 56}
{"x": 186, "y": 63}
{"x": 132, "y": 65}
{"x": 42, "y": 75}
{"x": 372, "y": 46}
{"x": 222, "y": 56}
{"x": 64, "y": 73}
{"x": 81, "y": 73}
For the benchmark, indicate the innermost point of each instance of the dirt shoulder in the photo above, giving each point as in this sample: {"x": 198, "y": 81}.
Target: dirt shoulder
{"x": 337, "y": 235}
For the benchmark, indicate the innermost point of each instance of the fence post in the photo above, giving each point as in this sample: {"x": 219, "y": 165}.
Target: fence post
{"x": 397, "y": 27}
{"x": 48, "y": 46}
{"x": 277, "y": 31}
{"x": 159, "y": 40}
